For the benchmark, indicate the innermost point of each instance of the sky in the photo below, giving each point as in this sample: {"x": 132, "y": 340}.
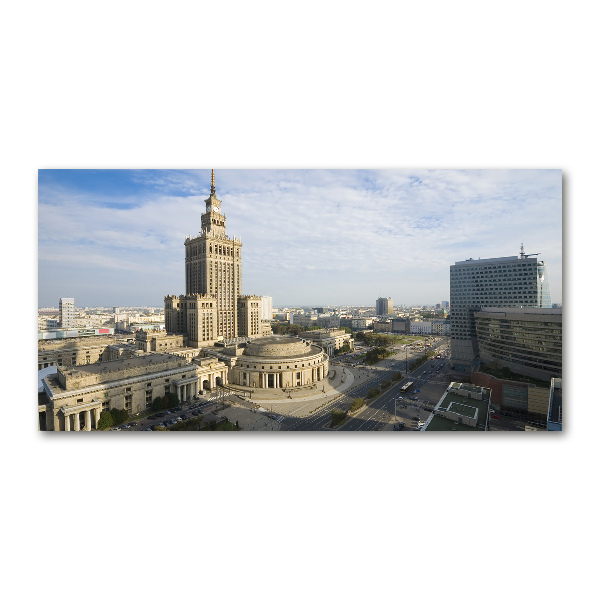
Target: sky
{"x": 115, "y": 237}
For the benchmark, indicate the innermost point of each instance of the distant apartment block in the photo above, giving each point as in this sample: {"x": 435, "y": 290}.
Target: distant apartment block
{"x": 384, "y": 306}
{"x": 266, "y": 312}
{"x": 66, "y": 307}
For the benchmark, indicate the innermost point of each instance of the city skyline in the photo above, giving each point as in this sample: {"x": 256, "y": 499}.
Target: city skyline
{"x": 320, "y": 237}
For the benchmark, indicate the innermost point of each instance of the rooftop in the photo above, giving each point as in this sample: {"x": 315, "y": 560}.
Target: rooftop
{"x": 463, "y": 407}
{"x": 125, "y": 363}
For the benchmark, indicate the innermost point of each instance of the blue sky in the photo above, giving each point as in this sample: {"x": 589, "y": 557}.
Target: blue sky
{"x": 310, "y": 237}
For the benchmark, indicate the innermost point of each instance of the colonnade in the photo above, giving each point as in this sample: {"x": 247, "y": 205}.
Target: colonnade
{"x": 276, "y": 379}
{"x": 191, "y": 387}
{"x": 75, "y": 412}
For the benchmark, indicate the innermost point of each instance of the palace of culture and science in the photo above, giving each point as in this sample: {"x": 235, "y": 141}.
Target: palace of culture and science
{"x": 213, "y": 307}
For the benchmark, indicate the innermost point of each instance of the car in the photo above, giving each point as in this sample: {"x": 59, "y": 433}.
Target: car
{"x": 183, "y": 417}
{"x": 133, "y": 424}
{"x": 149, "y": 429}
{"x": 116, "y": 429}
{"x": 178, "y": 419}
{"x": 125, "y": 426}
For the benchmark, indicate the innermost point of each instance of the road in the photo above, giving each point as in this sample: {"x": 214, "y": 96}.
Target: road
{"x": 381, "y": 410}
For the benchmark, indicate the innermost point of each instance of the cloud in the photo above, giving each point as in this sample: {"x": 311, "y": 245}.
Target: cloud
{"x": 311, "y": 234}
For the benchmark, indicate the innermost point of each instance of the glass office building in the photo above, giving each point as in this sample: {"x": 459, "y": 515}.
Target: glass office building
{"x": 526, "y": 340}
{"x": 507, "y": 282}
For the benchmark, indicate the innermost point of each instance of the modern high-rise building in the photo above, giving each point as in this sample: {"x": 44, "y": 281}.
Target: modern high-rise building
{"x": 508, "y": 282}
{"x": 66, "y": 306}
{"x": 384, "y": 306}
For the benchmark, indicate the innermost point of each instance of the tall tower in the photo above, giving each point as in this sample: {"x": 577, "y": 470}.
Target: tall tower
{"x": 507, "y": 282}
{"x": 213, "y": 266}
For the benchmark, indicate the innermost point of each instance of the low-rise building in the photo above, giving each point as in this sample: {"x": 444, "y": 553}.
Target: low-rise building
{"x": 67, "y": 352}
{"x": 77, "y": 396}
{"x": 329, "y": 339}
{"x": 463, "y": 407}
{"x": 518, "y": 396}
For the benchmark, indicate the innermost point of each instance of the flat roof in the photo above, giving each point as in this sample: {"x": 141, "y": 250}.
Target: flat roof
{"x": 456, "y": 403}
{"x": 125, "y": 363}
{"x": 438, "y": 423}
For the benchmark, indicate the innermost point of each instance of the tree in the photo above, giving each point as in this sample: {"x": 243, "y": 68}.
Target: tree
{"x": 337, "y": 417}
{"x": 172, "y": 400}
{"x": 105, "y": 420}
{"x": 158, "y": 403}
{"x": 358, "y": 403}
{"x": 119, "y": 415}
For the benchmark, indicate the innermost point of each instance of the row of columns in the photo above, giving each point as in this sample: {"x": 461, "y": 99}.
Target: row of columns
{"x": 317, "y": 374}
{"x": 187, "y": 389}
{"x": 193, "y": 387}
{"x": 88, "y": 419}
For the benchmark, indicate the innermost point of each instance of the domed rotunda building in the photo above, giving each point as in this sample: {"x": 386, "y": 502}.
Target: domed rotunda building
{"x": 279, "y": 362}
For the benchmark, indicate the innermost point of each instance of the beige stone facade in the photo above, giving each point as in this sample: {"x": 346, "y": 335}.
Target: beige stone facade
{"x": 157, "y": 341}
{"x": 279, "y": 362}
{"x": 329, "y": 339}
{"x": 68, "y": 352}
{"x": 213, "y": 282}
{"x": 77, "y": 396}
{"x": 249, "y": 316}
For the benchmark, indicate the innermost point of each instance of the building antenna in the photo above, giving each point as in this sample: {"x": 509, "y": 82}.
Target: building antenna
{"x": 522, "y": 251}
{"x": 212, "y": 182}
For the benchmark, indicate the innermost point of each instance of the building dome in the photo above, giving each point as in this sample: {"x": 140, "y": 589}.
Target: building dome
{"x": 280, "y": 362}
{"x": 276, "y": 346}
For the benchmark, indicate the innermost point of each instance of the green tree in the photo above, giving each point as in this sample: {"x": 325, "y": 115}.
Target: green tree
{"x": 105, "y": 420}
{"x": 373, "y": 393}
{"x": 119, "y": 415}
{"x": 172, "y": 400}
{"x": 337, "y": 416}
{"x": 358, "y": 403}
{"x": 158, "y": 403}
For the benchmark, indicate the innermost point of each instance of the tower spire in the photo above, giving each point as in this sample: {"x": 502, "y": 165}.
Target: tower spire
{"x": 212, "y": 182}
